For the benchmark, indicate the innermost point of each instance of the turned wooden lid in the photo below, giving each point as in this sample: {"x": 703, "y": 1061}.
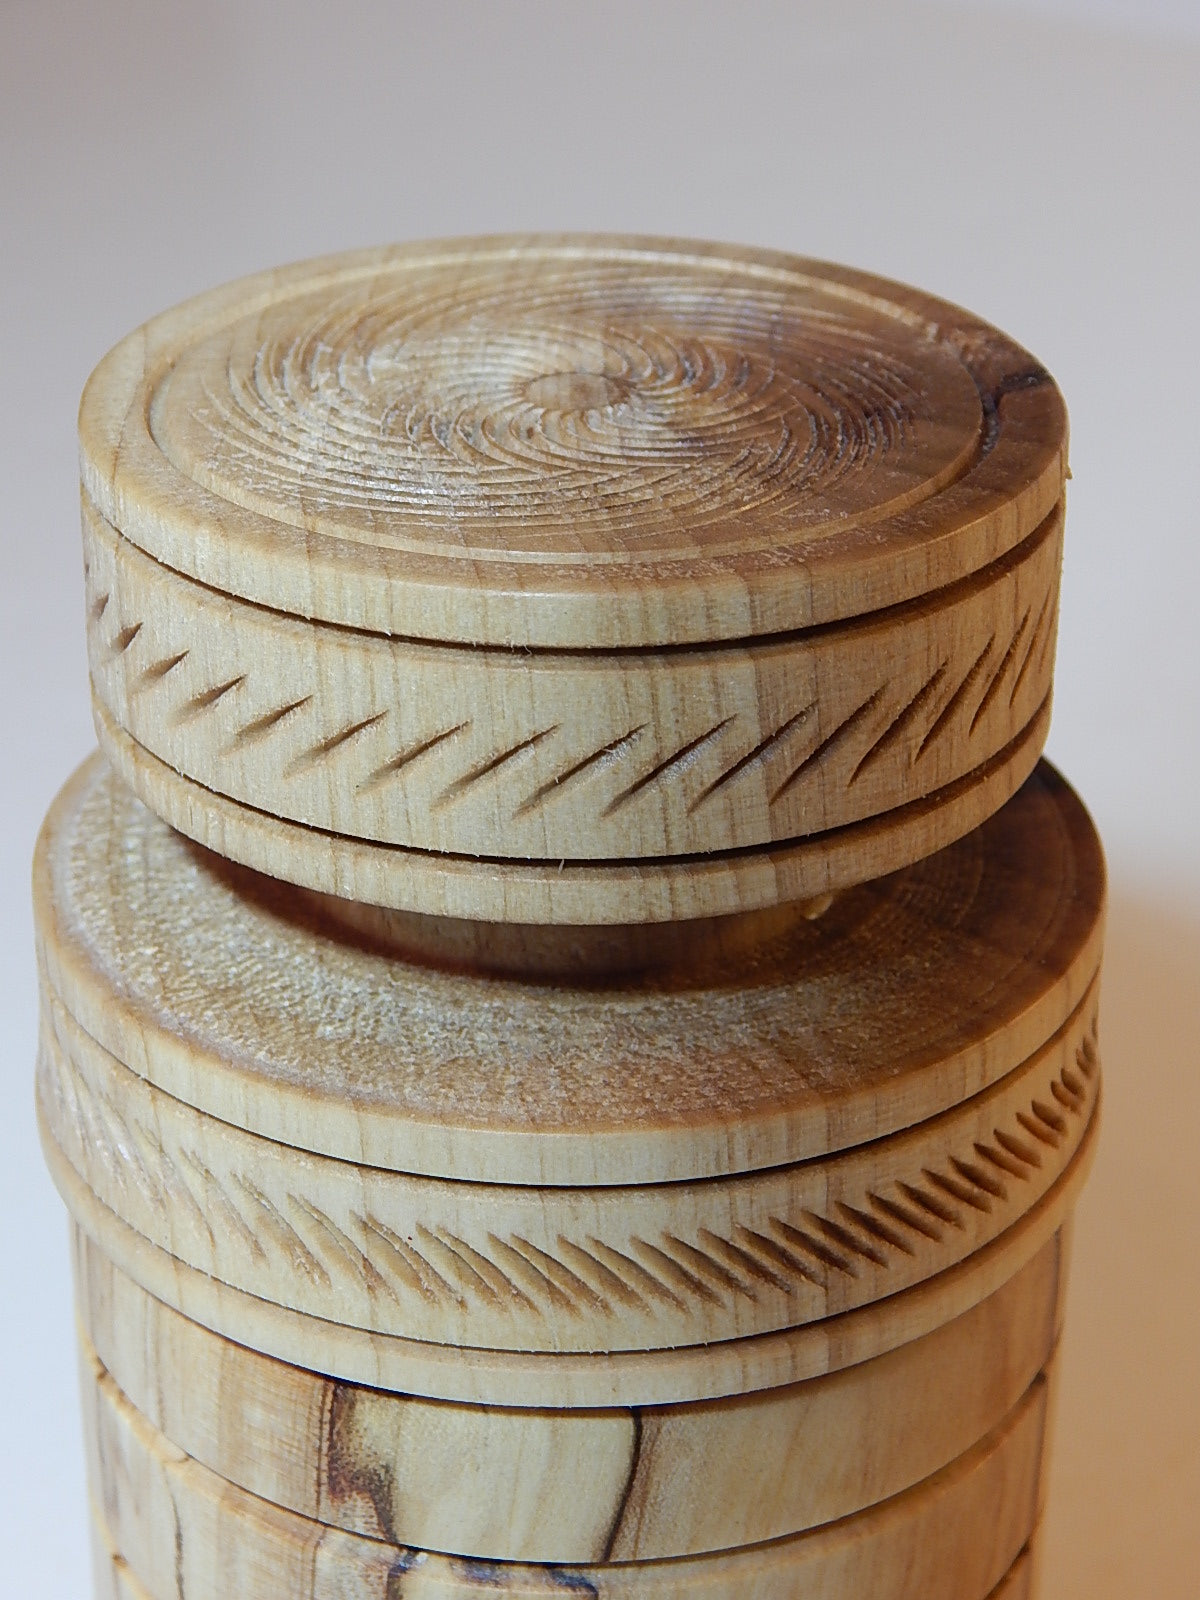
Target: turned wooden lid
{"x": 571, "y": 579}
{"x": 747, "y": 1140}
{"x": 266, "y": 1009}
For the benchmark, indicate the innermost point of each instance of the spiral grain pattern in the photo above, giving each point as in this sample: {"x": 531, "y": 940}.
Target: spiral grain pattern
{"x": 602, "y": 413}
{"x": 636, "y": 432}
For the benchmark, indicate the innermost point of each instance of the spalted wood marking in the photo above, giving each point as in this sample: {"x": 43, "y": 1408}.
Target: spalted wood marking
{"x": 615, "y": 1484}
{"x": 573, "y": 1071}
{"x": 921, "y": 1545}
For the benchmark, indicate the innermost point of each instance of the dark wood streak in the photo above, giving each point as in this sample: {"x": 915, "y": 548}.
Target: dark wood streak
{"x": 990, "y": 400}
{"x": 623, "y": 1505}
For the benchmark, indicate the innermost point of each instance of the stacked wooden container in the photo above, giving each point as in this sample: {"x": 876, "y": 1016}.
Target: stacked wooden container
{"x": 569, "y": 1010}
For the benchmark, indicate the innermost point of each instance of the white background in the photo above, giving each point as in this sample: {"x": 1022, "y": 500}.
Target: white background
{"x": 1040, "y": 164}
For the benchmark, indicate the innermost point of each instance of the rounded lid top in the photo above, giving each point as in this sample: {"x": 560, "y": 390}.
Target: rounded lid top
{"x": 571, "y": 442}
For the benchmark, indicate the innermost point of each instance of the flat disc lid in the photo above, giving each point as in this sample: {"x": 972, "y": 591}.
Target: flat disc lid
{"x": 243, "y": 998}
{"x": 572, "y": 442}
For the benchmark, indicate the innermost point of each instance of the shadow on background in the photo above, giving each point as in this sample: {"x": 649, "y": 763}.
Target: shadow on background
{"x": 1124, "y": 1516}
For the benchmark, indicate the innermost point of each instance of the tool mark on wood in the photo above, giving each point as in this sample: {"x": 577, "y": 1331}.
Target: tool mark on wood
{"x": 762, "y": 752}
{"x": 405, "y": 758}
{"x": 158, "y": 670}
{"x": 901, "y": 722}
{"x": 956, "y": 699}
{"x": 604, "y": 756}
{"x": 249, "y": 732}
{"x": 117, "y": 1151}
{"x": 1035, "y": 639}
{"x": 207, "y": 699}
{"x": 122, "y": 640}
{"x": 677, "y": 761}
{"x": 469, "y": 779}
{"x": 997, "y": 678}
{"x": 829, "y": 744}
{"x": 326, "y": 747}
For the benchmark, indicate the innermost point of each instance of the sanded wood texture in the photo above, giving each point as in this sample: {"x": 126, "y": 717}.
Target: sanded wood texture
{"x": 556, "y": 1269}
{"x": 567, "y": 1379}
{"x": 621, "y": 1484}
{"x": 506, "y": 578}
{"x": 186, "y": 1532}
{"x": 275, "y": 1013}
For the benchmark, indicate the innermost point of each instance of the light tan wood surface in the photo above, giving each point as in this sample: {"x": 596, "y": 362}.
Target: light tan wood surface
{"x": 1020, "y": 1583}
{"x": 569, "y": 1380}
{"x": 185, "y": 1531}
{"x": 621, "y": 1484}
{"x": 277, "y": 1014}
{"x": 758, "y": 548}
{"x": 560, "y": 892}
{"x": 115, "y": 1581}
{"x": 746, "y": 442}
{"x": 559, "y": 1269}
{"x": 570, "y": 756}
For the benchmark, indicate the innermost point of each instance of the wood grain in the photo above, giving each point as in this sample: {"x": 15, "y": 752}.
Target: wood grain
{"x": 566, "y": 1379}
{"x": 570, "y": 756}
{"x": 618, "y": 1484}
{"x": 572, "y": 441}
{"x": 568, "y": 552}
{"x": 115, "y": 1581}
{"x": 559, "y": 1269}
{"x": 186, "y": 1532}
{"x": 730, "y": 1052}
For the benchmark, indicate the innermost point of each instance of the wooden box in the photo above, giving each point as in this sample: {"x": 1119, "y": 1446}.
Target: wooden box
{"x": 569, "y": 1013}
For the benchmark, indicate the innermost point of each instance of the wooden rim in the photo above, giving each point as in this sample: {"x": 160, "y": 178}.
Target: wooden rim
{"x": 625, "y": 760}
{"x": 616, "y": 1484}
{"x": 114, "y": 1580}
{"x": 166, "y": 1514}
{"x": 213, "y": 985}
{"x": 934, "y": 443}
{"x": 511, "y": 1378}
{"x": 578, "y": 893}
{"x": 645, "y": 1267}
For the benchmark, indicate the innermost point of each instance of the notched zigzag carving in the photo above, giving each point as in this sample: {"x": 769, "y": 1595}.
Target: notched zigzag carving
{"x": 396, "y": 741}
{"x": 550, "y": 1269}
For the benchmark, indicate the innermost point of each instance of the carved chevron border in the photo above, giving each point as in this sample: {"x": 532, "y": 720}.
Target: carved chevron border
{"x": 572, "y": 756}
{"x": 560, "y": 1269}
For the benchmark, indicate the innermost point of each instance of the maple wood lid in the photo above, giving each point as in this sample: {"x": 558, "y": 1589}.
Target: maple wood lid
{"x": 719, "y": 1151}
{"x": 492, "y": 578}
{"x": 247, "y": 1000}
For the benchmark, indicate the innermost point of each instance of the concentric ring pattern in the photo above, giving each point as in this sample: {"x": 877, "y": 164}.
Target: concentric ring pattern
{"x": 599, "y": 416}
{"x": 556, "y": 580}
{"x": 572, "y": 442}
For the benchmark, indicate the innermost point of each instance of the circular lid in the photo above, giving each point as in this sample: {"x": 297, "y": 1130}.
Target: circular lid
{"x": 259, "y": 1006}
{"x": 571, "y": 580}
{"x": 572, "y": 442}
